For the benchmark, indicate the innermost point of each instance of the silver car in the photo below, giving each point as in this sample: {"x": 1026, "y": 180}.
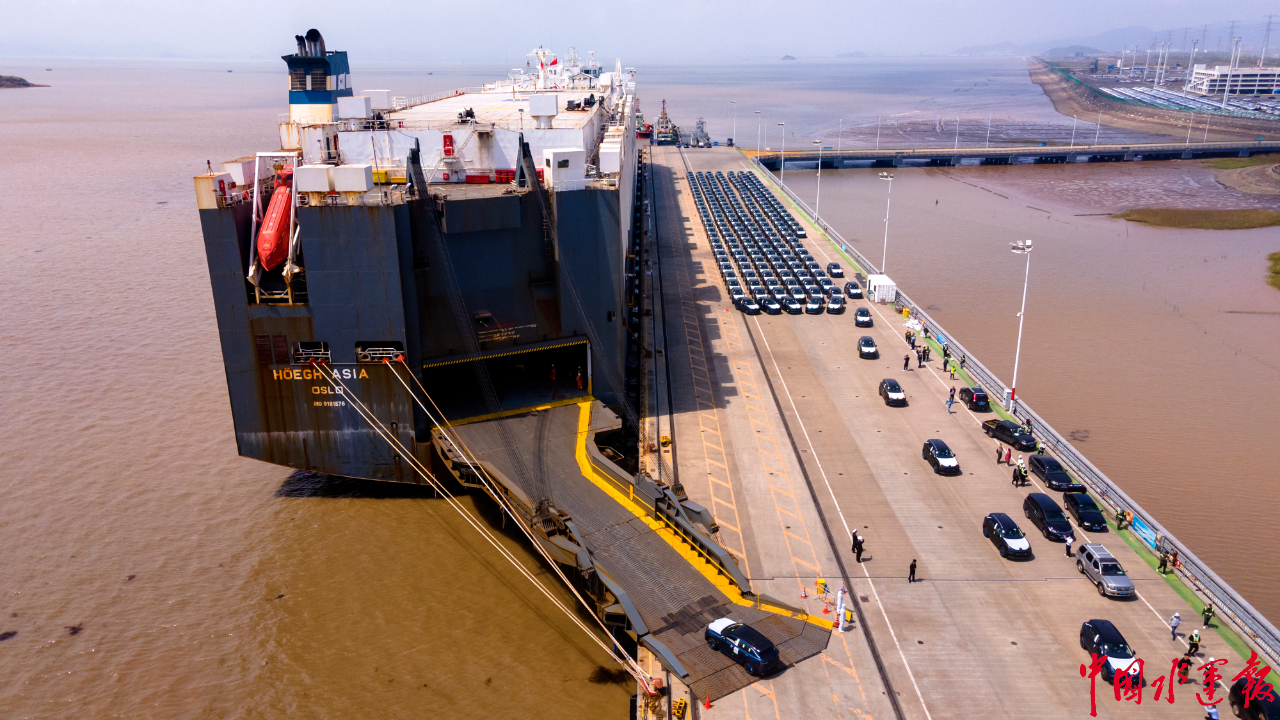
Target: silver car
{"x": 1097, "y": 564}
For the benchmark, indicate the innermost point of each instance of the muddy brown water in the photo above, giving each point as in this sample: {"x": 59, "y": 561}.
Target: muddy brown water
{"x": 1157, "y": 351}
{"x": 210, "y": 586}
{"x": 207, "y": 585}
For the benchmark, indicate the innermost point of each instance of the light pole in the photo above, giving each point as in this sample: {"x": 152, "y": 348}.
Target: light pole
{"x": 884, "y": 255}
{"x": 757, "y": 133}
{"x": 1021, "y": 247}
{"x": 734, "y": 103}
{"x": 782, "y": 165}
{"x": 878, "y": 119}
{"x": 1191, "y": 65}
{"x": 817, "y": 201}
{"x": 1074, "y": 120}
{"x": 1097, "y": 131}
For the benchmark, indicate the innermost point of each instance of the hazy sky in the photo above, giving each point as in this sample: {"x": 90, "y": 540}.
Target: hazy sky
{"x": 652, "y": 31}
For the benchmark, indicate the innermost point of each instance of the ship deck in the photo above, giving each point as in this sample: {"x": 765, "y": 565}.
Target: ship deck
{"x": 673, "y": 598}
{"x": 501, "y": 108}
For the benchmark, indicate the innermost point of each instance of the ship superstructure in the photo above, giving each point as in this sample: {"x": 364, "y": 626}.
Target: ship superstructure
{"x": 665, "y": 131}
{"x": 488, "y": 224}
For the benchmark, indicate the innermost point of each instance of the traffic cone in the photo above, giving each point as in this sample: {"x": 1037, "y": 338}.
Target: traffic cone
{"x": 707, "y": 705}
{"x": 804, "y": 592}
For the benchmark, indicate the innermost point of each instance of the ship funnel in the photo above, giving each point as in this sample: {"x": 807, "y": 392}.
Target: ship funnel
{"x": 302, "y": 44}
{"x": 315, "y": 43}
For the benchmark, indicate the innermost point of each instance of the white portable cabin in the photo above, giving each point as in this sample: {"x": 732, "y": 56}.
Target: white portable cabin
{"x": 881, "y": 289}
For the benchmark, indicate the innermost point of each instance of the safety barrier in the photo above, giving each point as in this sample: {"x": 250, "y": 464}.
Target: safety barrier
{"x": 1247, "y": 620}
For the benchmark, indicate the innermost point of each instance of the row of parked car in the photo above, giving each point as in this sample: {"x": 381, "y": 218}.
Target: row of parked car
{"x": 756, "y": 243}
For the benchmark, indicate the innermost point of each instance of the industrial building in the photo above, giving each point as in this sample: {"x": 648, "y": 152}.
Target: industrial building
{"x": 1207, "y": 80}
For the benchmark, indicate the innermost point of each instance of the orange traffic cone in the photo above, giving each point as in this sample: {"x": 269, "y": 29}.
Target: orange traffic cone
{"x": 826, "y": 610}
{"x": 804, "y": 592}
{"x": 707, "y": 705}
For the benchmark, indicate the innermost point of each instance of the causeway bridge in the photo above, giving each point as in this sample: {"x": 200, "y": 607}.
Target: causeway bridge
{"x": 1020, "y": 155}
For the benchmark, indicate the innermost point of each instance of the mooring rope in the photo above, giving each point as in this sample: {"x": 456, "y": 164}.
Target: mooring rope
{"x": 367, "y": 415}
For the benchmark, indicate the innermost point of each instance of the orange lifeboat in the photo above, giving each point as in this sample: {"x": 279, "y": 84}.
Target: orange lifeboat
{"x": 273, "y": 239}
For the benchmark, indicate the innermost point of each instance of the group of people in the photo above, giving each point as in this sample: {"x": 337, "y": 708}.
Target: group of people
{"x": 1020, "y": 476}
{"x": 1168, "y": 561}
{"x": 924, "y": 353}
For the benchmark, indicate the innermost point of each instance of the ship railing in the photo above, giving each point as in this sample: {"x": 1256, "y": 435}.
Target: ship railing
{"x": 381, "y": 195}
{"x": 402, "y": 103}
{"x": 1248, "y": 621}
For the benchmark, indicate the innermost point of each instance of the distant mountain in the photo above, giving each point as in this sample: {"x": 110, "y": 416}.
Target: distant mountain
{"x": 1109, "y": 41}
{"x": 1004, "y": 48}
{"x": 787, "y": 57}
{"x": 1071, "y": 51}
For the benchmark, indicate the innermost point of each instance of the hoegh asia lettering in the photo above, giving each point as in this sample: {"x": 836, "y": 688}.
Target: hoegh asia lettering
{"x": 309, "y": 374}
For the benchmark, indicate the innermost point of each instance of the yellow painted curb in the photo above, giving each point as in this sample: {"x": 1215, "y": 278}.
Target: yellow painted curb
{"x": 691, "y": 555}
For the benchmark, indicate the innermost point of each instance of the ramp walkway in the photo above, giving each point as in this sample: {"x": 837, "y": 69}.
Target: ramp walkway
{"x": 674, "y": 592}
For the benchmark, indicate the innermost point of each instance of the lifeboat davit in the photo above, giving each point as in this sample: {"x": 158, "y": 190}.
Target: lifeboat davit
{"x": 273, "y": 239}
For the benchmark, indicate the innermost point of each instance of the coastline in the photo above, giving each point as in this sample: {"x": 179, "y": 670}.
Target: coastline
{"x": 12, "y": 81}
{"x": 1077, "y": 99}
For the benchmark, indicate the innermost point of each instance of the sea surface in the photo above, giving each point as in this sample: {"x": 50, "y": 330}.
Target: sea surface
{"x": 203, "y": 585}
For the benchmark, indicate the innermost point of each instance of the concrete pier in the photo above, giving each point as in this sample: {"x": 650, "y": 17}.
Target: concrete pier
{"x": 779, "y": 430}
{"x": 1029, "y": 155}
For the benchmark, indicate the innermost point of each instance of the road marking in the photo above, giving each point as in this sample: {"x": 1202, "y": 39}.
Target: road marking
{"x": 844, "y": 521}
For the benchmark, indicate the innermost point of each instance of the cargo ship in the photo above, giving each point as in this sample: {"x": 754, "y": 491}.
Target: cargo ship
{"x": 666, "y": 132}
{"x": 446, "y": 290}
{"x": 488, "y": 224}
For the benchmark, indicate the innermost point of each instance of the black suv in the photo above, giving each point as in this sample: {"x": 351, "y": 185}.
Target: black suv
{"x": 1045, "y": 514}
{"x": 1085, "y": 511}
{"x": 975, "y": 399}
{"x": 1259, "y": 708}
{"x": 1005, "y": 534}
{"x": 1055, "y": 476}
{"x": 1102, "y": 638}
{"x": 1010, "y": 433}
{"x": 940, "y": 457}
{"x": 892, "y": 392}
{"x": 744, "y": 644}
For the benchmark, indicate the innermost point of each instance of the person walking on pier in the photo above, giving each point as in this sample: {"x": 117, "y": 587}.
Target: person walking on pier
{"x": 911, "y": 576}
{"x": 1071, "y": 539}
{"x": 1207, "y": 613}
{"x": 927, "y": 351}
{"x": 1164, "y": 563}
{"x": 999, "y": 451}
{"x": 1008, "y": 455}
{"x": 911, "y": 340}
{"x": 579, "y": 377}
{"x": 920, "y": 357}
{"x": 1174, "y": 622}
{"x": 962, "y": 359}
{"x": 1193, "y": 642}
{"x": 906, "y": 362}
{"x": 953, "y": 370}
{"x": 858, "y": 546}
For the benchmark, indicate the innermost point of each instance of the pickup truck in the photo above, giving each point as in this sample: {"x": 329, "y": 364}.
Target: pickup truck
{"x": 1010, "y": 433}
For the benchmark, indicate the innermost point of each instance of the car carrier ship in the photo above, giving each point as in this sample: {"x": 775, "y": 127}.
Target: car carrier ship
{"x": 410, "y": 289}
